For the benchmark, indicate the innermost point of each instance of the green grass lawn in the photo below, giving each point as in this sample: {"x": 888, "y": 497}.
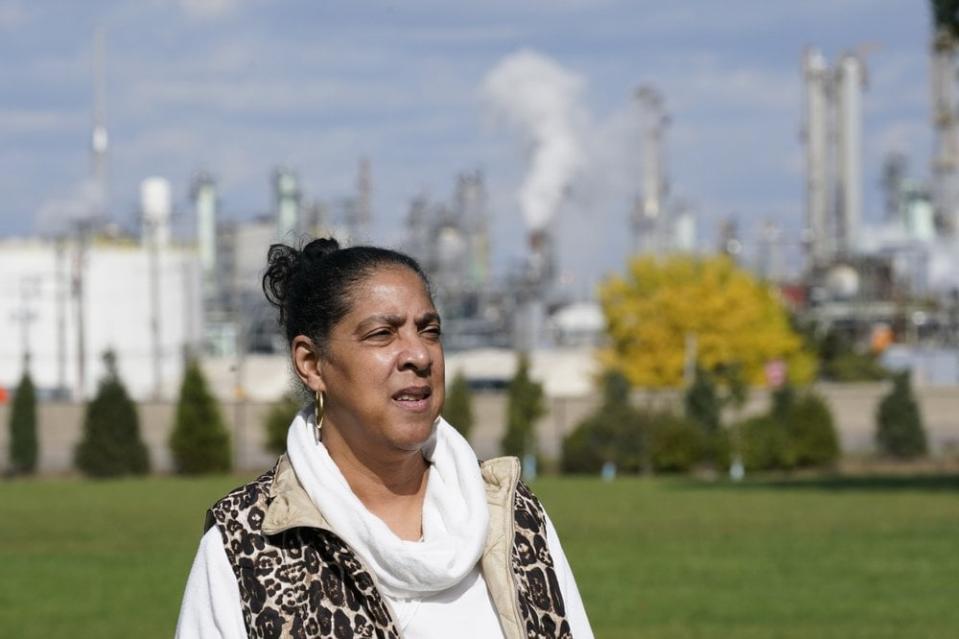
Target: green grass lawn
{"x": 653, "y": 558}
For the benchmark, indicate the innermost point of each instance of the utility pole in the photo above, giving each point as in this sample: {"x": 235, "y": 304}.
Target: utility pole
{"x": 239, "y": 391}
{"x": 155, "y": 210}
{"x": 99, "y": 140}
{"x": 29, "y": 288}
{"x": 154, "y": 257}
{"x": 79, "y": 266}
{"x": 60, "y": 297}
{"x": 364, "y": 196}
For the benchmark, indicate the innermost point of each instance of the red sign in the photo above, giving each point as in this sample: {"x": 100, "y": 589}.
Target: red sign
{"x": 775, "y": 371}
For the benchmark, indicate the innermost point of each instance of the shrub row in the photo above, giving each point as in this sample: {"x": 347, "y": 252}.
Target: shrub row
{"x": 111, "y": 445}
{"x": 797, "y": 432}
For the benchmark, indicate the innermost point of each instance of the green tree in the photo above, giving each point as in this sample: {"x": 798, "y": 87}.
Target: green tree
{"x": 899, "y": 431}
{"x": 458, "y": 408}
{"x": 111, "y": 444}
{"x": 525, "y": 404}
{"x": 810, "y": 431}
{"x": 199, "y": 441}
{"x": 614, "y": 433}
{"x": 797, "y": 432}
{"x": 764, "y": 443}
{"x": 23, "y": 427}
{"x": 783, "y": 401}
{"x": 702, "y": 403}
{"x": 676, "y": 444}
{"x": 277, "y": 422}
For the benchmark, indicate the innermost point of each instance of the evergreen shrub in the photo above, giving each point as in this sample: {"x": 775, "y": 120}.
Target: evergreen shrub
{"x": 458, "y": 407}
{"x": 810, "y": 431}
{"x": 703, "y": 406}
{"x": 676, "y": 443}
{"x": 111, "y": 444}
{"x": 764, "y": 443}
{"x": 797, "y": 432}
{"x": 23, "y": 428}
{"x": 614, "y": 433}
{"x": 199, "y": 441}
{"x": 277, "y": 422}
{"x": 582, "y": 450}
{"x": 525, "y": 404}
{"x": 899, "y": 429}
{"x": 702, "y": 403}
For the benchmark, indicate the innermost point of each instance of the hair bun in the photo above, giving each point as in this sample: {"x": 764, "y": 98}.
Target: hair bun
{"x": 280, "y": 263}
{"x": 320, "y": 248}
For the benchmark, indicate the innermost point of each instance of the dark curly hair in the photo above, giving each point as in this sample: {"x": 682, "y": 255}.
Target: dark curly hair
{"x": 313, "y": 287}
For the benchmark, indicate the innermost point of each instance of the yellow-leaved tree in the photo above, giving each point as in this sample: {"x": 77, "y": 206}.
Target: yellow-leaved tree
{"x": 735, "y": 320}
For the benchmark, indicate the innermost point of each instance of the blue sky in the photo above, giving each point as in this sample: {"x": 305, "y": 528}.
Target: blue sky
{"x": 237, "y": 87}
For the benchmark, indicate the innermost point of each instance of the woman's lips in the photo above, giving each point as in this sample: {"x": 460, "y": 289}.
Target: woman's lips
{"x": 413, "y": 398}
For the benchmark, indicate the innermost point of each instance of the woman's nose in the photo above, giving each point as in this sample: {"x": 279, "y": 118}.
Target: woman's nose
{"x": 416, "y": 354}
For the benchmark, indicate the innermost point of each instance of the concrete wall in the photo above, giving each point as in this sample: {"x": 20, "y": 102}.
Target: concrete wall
{"x": 853, "y": 405}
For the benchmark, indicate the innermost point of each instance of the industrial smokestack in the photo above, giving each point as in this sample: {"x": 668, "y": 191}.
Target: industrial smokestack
{"x": 649, "y": 223}
{"x": 205, "y": 205}
{"x": 815, "y": 136}
{"x": 945, "y": 164}
{"x": 850, "y": 82}
{"x": 541, "y": 99}
{"x": 286, "y": 194}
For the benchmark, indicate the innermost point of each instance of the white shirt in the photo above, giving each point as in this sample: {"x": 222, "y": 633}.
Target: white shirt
{"x": 211, "y": 606}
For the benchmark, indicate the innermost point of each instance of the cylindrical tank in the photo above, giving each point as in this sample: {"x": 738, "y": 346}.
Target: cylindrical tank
{"x": 842, "y": 281}
{"x": 155, "y": 207}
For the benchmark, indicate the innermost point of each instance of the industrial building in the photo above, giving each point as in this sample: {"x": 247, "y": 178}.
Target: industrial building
{"x": 899, "y": 271}
{"x": 69, "y": 300}
{"x": 201, "y": 294}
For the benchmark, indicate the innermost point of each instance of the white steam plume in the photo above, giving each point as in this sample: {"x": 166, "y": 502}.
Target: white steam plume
{"x": 542, "y": 99}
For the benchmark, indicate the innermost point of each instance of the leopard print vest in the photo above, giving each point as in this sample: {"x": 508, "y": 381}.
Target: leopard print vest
{"x": 306, "y": 582}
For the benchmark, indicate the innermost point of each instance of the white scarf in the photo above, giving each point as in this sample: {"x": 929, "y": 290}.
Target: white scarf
{"x": 455, "y": 513}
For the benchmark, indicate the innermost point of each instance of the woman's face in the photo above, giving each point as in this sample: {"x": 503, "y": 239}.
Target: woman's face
{"x": 383, "y": 371}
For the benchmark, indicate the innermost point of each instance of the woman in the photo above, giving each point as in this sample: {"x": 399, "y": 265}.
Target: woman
{"x": 378, "y": 521}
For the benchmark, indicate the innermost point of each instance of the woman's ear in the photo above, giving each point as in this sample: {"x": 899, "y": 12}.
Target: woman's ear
{"x": 307, "y": 363}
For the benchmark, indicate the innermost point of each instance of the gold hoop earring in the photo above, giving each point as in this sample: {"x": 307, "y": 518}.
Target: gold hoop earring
{"x": 318, "y": 416}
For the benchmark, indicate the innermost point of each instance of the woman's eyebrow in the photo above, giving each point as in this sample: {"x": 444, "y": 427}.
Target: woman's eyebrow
{"x": 429, "y": 317}
{"x": 385, "y": 318}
